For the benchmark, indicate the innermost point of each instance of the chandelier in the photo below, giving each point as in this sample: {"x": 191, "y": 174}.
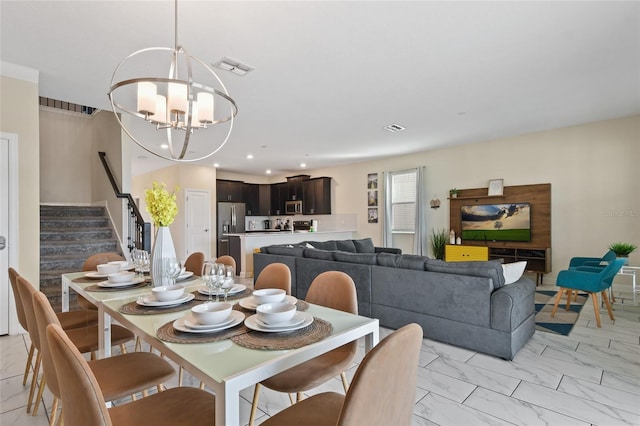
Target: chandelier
{"x": 183, "y": 106}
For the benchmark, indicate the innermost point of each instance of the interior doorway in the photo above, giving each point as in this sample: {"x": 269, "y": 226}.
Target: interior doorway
{"x": 198, "y": 221}
{"x": 8, "y": 229}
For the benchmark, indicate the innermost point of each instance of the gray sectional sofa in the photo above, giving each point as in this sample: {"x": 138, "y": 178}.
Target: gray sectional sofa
{"x": 465, "y": 304}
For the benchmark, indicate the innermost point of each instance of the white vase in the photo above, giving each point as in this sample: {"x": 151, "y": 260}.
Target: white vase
{"x": 162, "y": 249}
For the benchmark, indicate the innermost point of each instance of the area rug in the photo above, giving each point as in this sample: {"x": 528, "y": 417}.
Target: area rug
{"x": 564, "y": 320}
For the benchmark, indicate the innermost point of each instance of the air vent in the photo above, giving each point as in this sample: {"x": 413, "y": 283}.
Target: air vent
{"x": 68, "y": 106}
{"x": 393, "y": 128}
{"x": 234, "y": 66}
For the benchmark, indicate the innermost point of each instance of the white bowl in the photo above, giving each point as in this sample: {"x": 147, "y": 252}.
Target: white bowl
{"x": 275, "y": 313}
{"x": 121, "y": 277}
{"x": 211, "y": 313}
{"x": 107, "y": 268}
{"x": 269, "y": 295}
{"x": 167, "y": 293}
{"x": 121, "y": 263}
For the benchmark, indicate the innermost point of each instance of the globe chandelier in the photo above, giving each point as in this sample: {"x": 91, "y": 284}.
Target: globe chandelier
{"x": 184, "y": 99}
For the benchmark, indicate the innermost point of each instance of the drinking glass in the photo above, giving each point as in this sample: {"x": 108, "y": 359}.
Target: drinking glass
{"x": 227, "y": 284}
{"x": 171, "y": 269}
{"x": 209, "y": 278}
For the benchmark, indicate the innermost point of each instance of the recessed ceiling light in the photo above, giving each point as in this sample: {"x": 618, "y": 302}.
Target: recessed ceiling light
{"x": 303, "y": 165}
{"x": 249, "y": 156}
{"x": 164, "y": 146}
{"x": 268, "y": 171}
{"x": 393, "y": 128}
{"x": 216, "y": 165}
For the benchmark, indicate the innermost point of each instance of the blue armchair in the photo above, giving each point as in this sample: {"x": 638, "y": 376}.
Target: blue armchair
{"x": 576, "y": 262}
{"x": 590, "y": 279}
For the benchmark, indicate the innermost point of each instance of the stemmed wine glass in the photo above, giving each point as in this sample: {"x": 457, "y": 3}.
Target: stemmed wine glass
{"x": 171, "y": 269}
{"x": 140, "y": 261}
{"x": 209, "y": 278}
{"x": 227, "y": 285}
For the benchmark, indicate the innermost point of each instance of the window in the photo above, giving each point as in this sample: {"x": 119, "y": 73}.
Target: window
{"x": 403, "y": 201}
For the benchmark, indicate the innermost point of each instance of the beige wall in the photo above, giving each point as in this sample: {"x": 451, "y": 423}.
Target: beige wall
{"x": 19, "y": 115}
{"x": 183, "y": 176}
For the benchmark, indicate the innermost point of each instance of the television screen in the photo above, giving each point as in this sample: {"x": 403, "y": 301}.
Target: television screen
{"x": 496, "y": 222}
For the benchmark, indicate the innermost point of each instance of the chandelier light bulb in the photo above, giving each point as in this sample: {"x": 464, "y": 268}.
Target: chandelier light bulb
{"x": 147, "y": 98}
{"x": 160, "y": 116}
{"x": 205, "y": 103}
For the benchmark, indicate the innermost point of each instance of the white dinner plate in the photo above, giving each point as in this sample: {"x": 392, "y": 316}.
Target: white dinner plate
{"x": 150, "y": 300}
{"x": 250, "y": 302}
{"x": 237, "y": 288}
{"x": 184, "y": 275}
{"x": 237, "y": 319}
{"x": 254, "y": 324}
{"x": 128, "y": 267}
{"x": 191, "y": 322}
{"x": 95, "y": 275}
{"x": 296, "y": 320}
{"x": 109, "y": 284}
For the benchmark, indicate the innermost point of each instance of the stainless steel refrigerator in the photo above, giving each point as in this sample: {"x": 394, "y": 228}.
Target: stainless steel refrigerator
{"x": 230, "y": 221}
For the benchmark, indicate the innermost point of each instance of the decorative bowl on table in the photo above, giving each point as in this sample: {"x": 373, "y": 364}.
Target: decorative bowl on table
{"x": 211, "y": 313}
{"x": 121, "y": 277}
{"x": 167, "y": 293}
{"x": 269, "y": 295}
{"x": 107, "y": 268}
{"x": 122, "y": 264}
{"x": 275, "y": 313}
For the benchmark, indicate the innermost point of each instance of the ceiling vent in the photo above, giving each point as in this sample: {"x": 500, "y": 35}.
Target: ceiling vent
{"x": 393, "y": 128}
{"x": 68, "y": 106}
{"x": 234, "y": 66}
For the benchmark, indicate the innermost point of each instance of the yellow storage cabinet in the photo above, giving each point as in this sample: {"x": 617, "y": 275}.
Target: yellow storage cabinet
{"x": 454, "y": 253}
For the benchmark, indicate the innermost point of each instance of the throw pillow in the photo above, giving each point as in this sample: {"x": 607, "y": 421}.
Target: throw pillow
{"x": 513, "y": 271}
{"x": 364, "y": 245}
{"x": 309, "y": 246}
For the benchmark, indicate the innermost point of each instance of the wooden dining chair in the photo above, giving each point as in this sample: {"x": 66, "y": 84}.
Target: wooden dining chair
{"x": 274, "y": 275}
{"x": 194, "y": 263}
{"x": 118, "y": 376}
{"x": 175, "y": 407}
{"x": 91, "y": 264}
{"x": 335, "y": 290}
{"x": 382, "y": 391}
{"x": 228, "y": 261}
{"x": 86, "y": 338}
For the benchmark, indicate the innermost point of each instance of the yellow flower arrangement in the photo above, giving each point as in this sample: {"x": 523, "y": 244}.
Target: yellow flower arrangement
{"x": 161, "y": 205}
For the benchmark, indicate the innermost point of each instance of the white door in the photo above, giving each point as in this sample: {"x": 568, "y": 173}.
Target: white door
{"x": 198, "y": 221}
{"x": 4, "y": 235}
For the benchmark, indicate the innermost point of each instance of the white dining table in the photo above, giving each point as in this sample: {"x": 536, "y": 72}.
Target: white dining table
{"x": 223, "y": 366}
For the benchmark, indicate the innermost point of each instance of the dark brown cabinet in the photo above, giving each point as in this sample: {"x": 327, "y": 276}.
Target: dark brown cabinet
{"x": 316, "y": 196}
{"x": 264, "y": 199}
{"x": 279, "y": 195}
{"x": 229, "y": 190}
{"x": 251, "y": 199}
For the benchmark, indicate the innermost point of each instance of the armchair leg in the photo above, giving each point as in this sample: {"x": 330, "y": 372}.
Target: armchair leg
{"x": 569, "y": 292}
{"x": 254, "y": 404}
{"x": 555, "y": 306}
{"x": 596, "y": 308}
{"x": 606, "y": 302}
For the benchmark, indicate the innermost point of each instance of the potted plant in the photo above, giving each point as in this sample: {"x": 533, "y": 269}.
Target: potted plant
{"x": 453, "y": 193}
{"x": 623, "y": 249}
{"x": 439, "y": 239}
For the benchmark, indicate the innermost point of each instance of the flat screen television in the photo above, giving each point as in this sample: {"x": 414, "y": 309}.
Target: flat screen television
{"x": 496, "y": 222}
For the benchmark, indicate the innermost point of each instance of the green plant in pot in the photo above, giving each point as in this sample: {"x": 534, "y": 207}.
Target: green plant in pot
{"x": 453, "y": 193}
{"x": 623, "y": 249}
{"x": 439, "y": 239}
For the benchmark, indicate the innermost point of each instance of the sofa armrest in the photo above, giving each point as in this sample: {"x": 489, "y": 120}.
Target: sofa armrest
{"x": 512, "y": 304}
{"x": 391, "y": 250}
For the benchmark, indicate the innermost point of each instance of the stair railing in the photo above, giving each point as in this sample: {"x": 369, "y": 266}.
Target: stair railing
{"x": 139, "y": 235}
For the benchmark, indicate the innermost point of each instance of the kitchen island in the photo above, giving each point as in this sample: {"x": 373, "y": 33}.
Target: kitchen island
{"x": 248, "y": 242}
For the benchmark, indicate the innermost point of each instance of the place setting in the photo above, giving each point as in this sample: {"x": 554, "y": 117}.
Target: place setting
{"x": 162, "y": 299}
{"x": 121, "y": 280}
{"x": 103, "y": 270}
{"x": 270, "y": 295}
{"x": 205, "y": 322}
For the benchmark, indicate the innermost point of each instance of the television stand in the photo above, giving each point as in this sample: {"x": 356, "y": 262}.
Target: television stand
{"x": 538, "y": 258}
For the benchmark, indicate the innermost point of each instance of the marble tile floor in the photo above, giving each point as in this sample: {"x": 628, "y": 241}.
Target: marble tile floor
{"x": 591, "y": 377}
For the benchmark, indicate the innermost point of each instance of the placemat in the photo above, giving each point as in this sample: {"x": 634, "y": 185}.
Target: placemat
{"x": 97, "y": 288}
{"x": 301, "y": 305}
{"x": 314, "y": 332}
{"x": 169, "y": 334}
{"x": 132, "y": 308}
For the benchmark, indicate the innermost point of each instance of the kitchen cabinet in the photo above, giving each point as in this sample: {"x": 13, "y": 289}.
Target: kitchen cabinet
{"x": 229, "y": 190}
{"x": 316, "y": 196}
{"x": 251, "y": 198}
{"x": 279, "y": 194}
{"x": 264, "y": 200}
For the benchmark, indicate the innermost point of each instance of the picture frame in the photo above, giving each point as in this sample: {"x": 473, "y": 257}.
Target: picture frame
{"x": 372, "y": 198}
{"x": 496, "y": 187}
{"x": 372, "y": 181}
{"x": 372, "y": 215}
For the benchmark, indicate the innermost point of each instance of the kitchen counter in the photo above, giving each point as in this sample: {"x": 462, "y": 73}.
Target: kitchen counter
{"x": 254, "y": 240}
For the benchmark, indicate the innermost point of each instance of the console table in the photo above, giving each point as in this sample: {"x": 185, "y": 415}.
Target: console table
{"x": 538, "y": 259}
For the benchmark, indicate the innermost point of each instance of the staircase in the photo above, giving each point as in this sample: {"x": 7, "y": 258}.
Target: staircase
{"x": 68, "y": 236}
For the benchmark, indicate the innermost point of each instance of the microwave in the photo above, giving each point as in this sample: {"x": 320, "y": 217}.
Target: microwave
{"x": 293, "y": 207}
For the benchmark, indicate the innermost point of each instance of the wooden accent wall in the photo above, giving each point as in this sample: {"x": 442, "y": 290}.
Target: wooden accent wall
{"x": 539, "y": 196}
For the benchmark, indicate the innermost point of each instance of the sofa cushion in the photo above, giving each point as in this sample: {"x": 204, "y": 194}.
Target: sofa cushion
{"x": 364, "y": 258}
{"x": 364, "y": 245}
{"x": 490, "y": 269}
{"x": 412, "y": 261}
{"x": 318, "y": 254}
{"x": 388, "y": 259}
{"x": 346, "y": 245}
{"x": 324, "y": 245}
{"x": 285, "y": 251}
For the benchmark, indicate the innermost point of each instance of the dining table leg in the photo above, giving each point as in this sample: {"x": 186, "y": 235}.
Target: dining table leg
{"x": 104, "y": 333}
{"x": 228, "y": 407}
